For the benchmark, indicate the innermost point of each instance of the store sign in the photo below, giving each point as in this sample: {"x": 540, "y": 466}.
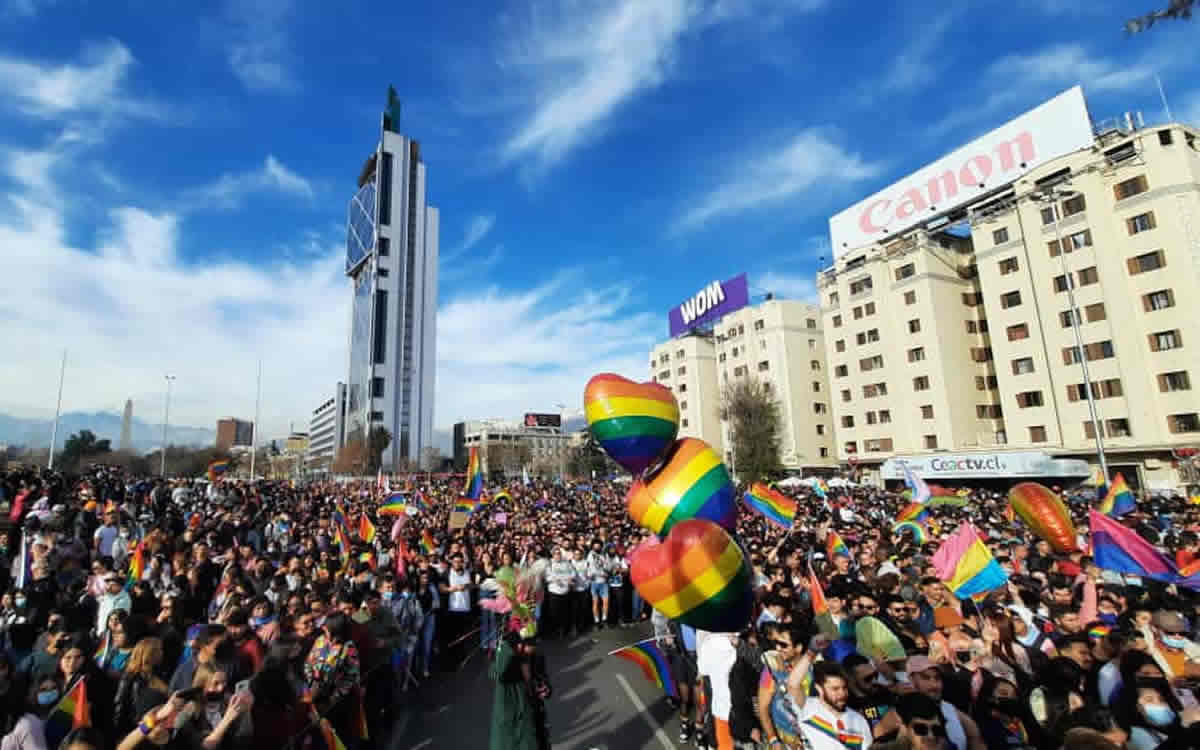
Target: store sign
{"x": 1055, "y": 128}
{"x": 985, "y": 465}
{"x": 715, "y": 300}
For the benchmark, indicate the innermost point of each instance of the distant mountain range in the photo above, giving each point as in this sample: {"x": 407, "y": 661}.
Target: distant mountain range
{"x": 35, "y": 433}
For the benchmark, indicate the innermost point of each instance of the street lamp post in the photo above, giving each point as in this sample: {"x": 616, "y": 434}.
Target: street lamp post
{"x": 562, "y": 441}
{"x": 166, "y": 419}
{"x": 1052, "y": 196}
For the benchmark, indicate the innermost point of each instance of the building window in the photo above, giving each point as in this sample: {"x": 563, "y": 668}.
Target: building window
{"x": 1028, "y": 399}
{"x": 1131, "y": 187}
{"x": 1160, "y": 300}
{"x": 846, "y": 394}
{"x": 841, "y": 371}
{"x": 988, "y": 383}
{"x": 1089, "y": 430}
{"x": 376, "y": 416}
{"x": 885, "y": 416}
{"x": 870, "y": 363}
{"x": 1074, "y": 205}
{"x": 1095, "y": 312}
{"x": 858, "y": 312}
{"x": 879, "y": 445}
{"x": 679, "y": 354}
{"x": 860, "y": 286}
{"x": 988, "y": 411}
{"x": 681, "y": 371}
{"x": 759, "y": 325}
{"x": 735, "y": 351}
{"x": 906, "y": 271}
{"x": 1047, "y": 215}
{"x": 1000, "y": 236}
{"x": 1062, "y": 282}
{"x": 741, "y": 329}
{"x": 1174, "y": 381}
{"x": 931, "y": 442}
{"x": 1165, "y": 340}
{"x": 683, "y": 422}
{"x": 1088, "y": 276}
{"x": 383, "y": 272}
{"x": 1146, "y": 262}
{"x": 380, "y": 336}
{"x": 1141, "y": 223}
{"x": 833, "y": 298}
{"x": 1037, "y": 434}
{"x": 1018, "y": 332}
{"x": 837, "y": 321}
{"x": 927, "y": 411}
{"x": 1178, "y": 423}
{"x": 683, "y": 405}
{"x": 981, "y": 354}
{"x": 810, "y": 323}
{"x": 1010, "y": 299}
{"x": 910, "y": 298}
{"x": 916, "y": 354}
{"x": 1164, "y": 137}
{"x": 1068, "y": 319}
{"x": 869, "y": 308}
{"x": 1099, "y": 350}
{"x": 870, "y": 418}
{"x": 739, "y": 371}
{"x": 721, "y": 357}
{"x": 914, "y": 325}
{"x": 1071, "y": 355}
{"x": 818, "y": 407}
{"x": 1009, "y": 265}
{"x": 815, "y": 365}
{"x": 1022, "y": 366}
{"x": 1118, "y": 428}
{"x": 820, "y": 429}
{"x": 839, "y": 345}
{"x": 763, "y": 366}
{"x": 376, "y": 387}
{"x": 850, "y": 447}
{"x": 824, "y": 452}
{"x": 383, "y": 246}
{"x": 972, "y": 299}
{"x": 921, "y": 383}
{"x": 848, "y": 421}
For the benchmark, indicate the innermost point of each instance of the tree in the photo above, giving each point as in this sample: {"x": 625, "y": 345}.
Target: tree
{"x": 80, "y": 446}
{"x": 352, "y": 458}
{"x": 378, "y": 441}
{"x": 1175, "y": 10}
{"x": 755, "y": 422}
{"x": 507, "y": 457}
{"x": 588, "y": 457}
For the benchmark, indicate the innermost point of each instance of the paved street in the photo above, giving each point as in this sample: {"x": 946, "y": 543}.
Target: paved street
{"x": 594, "y": 703}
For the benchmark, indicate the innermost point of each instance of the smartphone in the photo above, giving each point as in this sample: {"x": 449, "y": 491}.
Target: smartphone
{"x": 242, "y": 687}
{"x": 190, "y": 694}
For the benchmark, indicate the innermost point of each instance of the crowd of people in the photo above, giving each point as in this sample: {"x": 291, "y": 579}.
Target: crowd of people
{"x": 228, "y": 614}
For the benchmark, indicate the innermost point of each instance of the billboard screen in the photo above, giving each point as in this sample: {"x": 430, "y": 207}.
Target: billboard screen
{"x": 543, "y": 420}
{"x": 1054, "y": 128}
{"x": 716, "y": 299}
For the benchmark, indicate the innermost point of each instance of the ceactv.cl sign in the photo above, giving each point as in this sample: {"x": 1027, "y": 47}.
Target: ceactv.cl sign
{"x": 1055, "y": 128}
{"x": 713, "y": 301}
{"x": 968, "y": 465}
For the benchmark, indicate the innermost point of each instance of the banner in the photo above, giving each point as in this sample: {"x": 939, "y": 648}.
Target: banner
{"x": 458, "y": 520}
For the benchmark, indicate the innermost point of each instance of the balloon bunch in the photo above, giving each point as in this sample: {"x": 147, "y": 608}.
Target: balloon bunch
{"x": 682, "y": 492}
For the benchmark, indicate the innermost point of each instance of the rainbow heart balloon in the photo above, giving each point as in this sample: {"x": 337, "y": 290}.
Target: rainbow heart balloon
{"x": 692, "y": 483}
{"x": 698, "y": 576}
{"x": 1044, "y": 513}
{"x": 635, "y": 423}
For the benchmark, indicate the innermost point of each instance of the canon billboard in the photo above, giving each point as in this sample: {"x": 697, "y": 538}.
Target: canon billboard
{"x": 1053, "y": 129}
{"x": 716, "y": 299}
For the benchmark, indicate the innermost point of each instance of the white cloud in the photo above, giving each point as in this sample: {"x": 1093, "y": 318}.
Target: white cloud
{"x": 916, "y": 64}
{"x": 95, "y": 85}
{"x": 231, "y": 189}
{"x": 130, "y": 309}
{"x": 789, "y": 286}
{"x": 504, "y": 352}
{"x": 477, "y": 229}
{"x": 259, "y": 46}
{"x": 1067, "y": 64}
{"x": 809, "y": 159}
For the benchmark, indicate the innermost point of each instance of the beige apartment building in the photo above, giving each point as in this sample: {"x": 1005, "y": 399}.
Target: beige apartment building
{"x": 958, "y": 334}
{"x": 779, "y": 342}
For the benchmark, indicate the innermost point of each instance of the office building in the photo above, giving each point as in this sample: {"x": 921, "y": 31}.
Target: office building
{"x": 778, "y": 342}
{"x": 326, "y": 430}
{"x": 509, "y": 446}
{"x": 949, "y": 307}
{"x": 392, "y": 260}
{"x": 234, "y": 433}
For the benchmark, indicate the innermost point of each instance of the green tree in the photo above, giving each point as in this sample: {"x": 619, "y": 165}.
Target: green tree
{"x": 1178, "y": 10}
{"x": 377, "y": 442}
{"x": 589, "y": 457}
{"x": 755, "y": 422}
{"x": 81, "y": 446}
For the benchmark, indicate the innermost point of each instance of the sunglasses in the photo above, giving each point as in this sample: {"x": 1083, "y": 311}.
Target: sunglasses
{"x": 924, "y": 730}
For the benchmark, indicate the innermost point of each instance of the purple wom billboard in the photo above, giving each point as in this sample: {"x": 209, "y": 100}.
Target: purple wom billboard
{"x": 713, "y": 301}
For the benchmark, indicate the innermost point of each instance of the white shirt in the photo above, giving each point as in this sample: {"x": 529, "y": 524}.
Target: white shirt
{"x": 106, "y": 535}
{"x": 715, "y": 656}
{"x": 460, "y": 601}
{"x": 820, "y": 724}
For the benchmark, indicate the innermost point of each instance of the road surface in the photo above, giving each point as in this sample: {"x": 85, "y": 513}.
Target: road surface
{"x": 599, "y": 701}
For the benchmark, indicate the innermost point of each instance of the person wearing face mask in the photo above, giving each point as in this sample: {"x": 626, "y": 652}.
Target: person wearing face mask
{"x": 12, "y": 693}
{"x": 1168, "y": 642}
{"x": 1150, "y": 712}
{"x": 1003, "y": 719}
{"x": 29, "y": 731}
{"x": 921, "y": 726}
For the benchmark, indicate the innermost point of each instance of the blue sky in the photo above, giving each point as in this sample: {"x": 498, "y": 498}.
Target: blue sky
{"x": 173, "y": 181}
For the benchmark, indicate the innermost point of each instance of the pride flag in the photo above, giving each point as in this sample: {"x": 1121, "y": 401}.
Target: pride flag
{"x": 774, "y": 506}
{"x": 217, "y": 468}
{"x": 834, "y": 546}
{"x": 920, "y": 536}
{"x": 821, "y": 489}
{"x": 474, "y": 486}
{"x": 342, "y": 539}
{"x": 366, "y": 529}
{"x": 920, "y": 491}
{"x": 72, "y": 712}
{"x": 913, "y": 512}
{"x": 137, "y": 565}
{"x": 427, "y": 544}
{"x": 820, "y": 607}
{"x": 502, "y": 495}
{"x": 394, "y": 505}
{"x": 1119, "y": 499}
{"x": 1119, "y": 549}
{"x": 466, "y": 505}
{"x": 653, "y": 663}
{"x": 966, "y": 565}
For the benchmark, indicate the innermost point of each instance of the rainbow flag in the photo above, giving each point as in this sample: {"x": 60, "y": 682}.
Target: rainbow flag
{"x": 394, "y": 505}
{"x": 1119, "y": 499}
{"x": 502, "y": 495}
{"x": 466, "y": 505}
{"x": 774, "y": 506}
{"x": 1119, "y": 549}
{"x": 820, "y": 607}
{"x": 366, "y": 529}
{"x": 1098, "y": 631}
{"x": 913, "y": 512}
{"x": 427, "y": 544}
{"x": 342, "y": 539}
{"x": 72, "y": 712}
{"x": 217, "y": 468}
{"x": 419, "y": 502}
{"x": 920, "y": 536}
{"x": 653, "y": 663}
{"x": 474, "y": 486}
{"x": 966, "y": 565}
{"x": 834, "y": 546}
{"x": 137, "y": 565}
{"x": 920, "y": 491}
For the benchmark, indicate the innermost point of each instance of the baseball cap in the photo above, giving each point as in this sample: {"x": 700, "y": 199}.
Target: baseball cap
{"x": 917, "y": 664}
{"x": 1168, "y": 621}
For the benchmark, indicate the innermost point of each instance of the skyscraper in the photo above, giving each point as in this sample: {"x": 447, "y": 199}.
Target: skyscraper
{"x": 391, "y": 260}
{"x": 126, "y": 444}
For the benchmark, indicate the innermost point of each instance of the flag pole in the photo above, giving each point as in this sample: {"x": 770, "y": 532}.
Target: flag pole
{"x": 631, "y": 645}
{"x": 57, "y": 410}
{"x": 254, "y": 429}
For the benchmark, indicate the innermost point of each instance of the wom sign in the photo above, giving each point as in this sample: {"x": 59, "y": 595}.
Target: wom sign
{"x": 715, "y": 300}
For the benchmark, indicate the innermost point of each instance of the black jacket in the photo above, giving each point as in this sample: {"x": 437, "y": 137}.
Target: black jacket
{"x": 743, "y": 690}
{"x": 133, "y": 699}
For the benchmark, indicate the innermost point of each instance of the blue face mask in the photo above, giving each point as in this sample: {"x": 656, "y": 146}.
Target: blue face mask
{"x": 1108, "y": 618}
{"x": 1174, "y": 641}
{"x": 387, "y": 595}
{"x": 47, "y": 697}
{"x": 1158, "y": 714}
